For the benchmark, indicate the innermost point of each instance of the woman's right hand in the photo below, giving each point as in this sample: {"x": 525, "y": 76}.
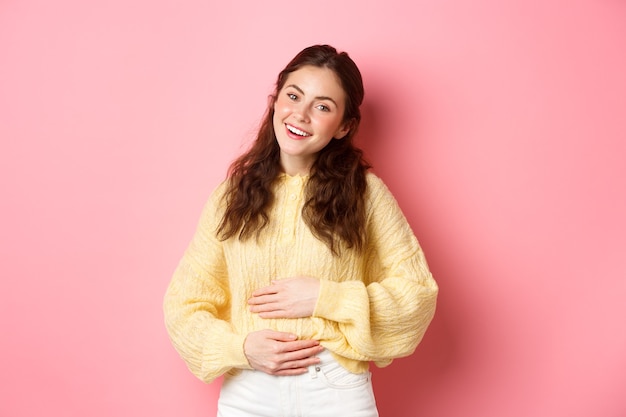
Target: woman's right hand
{"x": 280, "y": 353}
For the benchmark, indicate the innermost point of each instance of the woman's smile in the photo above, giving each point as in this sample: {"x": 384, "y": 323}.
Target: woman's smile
{"x": 296, "y": 133}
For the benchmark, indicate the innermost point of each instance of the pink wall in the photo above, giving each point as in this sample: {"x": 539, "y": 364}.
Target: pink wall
{"x": 498, "y": 125}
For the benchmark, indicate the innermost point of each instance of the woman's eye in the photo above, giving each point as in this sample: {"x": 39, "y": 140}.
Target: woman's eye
{"x": 292, "y": 96}
{"x": 322, "y": 107}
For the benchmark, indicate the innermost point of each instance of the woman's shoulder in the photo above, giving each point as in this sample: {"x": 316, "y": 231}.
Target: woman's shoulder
{"x": 375, "y": 185}
{"x": 373, "y": 180}
{"x": 379, "y": 197}
{"x": 220, "y": 188}
{"x": 216, "y": 195}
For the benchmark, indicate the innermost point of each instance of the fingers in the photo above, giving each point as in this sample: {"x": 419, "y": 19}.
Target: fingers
{"x": 280, "y": 353}
{"x": 258, "y": 300}
{"x": 298, "y": 354}
{"x": 299, "y": 346}
{"x": 262, "y": 300}
{"x": 279, "y": 336}
{"x": 271, "y": 289}
{"x": 290, "y": 342}
{"x": 268, "y": 305}
{"x": 286, "y": 298}
{"x": 287, "y": 342}
{"x": 269, "y": 311}
{"x": 295, "y": 362}
{"x": 295, "y": 368}
{"x": 274, "y": 314}
{"x": 303, "y": 357}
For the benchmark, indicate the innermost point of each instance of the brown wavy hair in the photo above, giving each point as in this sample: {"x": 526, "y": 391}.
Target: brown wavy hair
{"x": 334, "y": 208}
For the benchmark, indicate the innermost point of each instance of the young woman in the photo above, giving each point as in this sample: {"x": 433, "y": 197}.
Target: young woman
{"x": 303, "y": 269}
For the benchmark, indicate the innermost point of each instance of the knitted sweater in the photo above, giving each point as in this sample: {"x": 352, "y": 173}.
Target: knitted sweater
{"x": 372, "y": 307}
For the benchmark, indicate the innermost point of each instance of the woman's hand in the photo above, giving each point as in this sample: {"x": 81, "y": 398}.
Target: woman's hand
{"x": 288, "y": 298}
{"x": 280, "y": 353}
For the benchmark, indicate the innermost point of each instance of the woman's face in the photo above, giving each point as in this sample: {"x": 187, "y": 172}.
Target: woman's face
{"x": 308, "y": 114}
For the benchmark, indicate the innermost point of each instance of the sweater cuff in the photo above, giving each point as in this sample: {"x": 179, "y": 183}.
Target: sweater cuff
{"x": 341, "y": 301}
{"x": 232, "y": 351}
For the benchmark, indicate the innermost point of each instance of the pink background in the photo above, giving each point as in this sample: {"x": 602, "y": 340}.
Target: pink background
{"x": 498, "y": 125}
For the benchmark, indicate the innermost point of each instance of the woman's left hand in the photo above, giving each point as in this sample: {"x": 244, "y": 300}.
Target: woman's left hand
{"x": 288, "y": 298}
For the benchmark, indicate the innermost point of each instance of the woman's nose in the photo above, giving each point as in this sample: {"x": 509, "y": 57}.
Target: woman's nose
{"x": 301, "y": 113}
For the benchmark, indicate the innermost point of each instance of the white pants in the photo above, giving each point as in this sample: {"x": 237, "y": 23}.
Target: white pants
{"x": 327, "y": 390}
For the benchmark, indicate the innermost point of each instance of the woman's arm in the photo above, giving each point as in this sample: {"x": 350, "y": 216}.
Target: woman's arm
{"x": 197, "y": 303}
{"x": 386, "y": 316}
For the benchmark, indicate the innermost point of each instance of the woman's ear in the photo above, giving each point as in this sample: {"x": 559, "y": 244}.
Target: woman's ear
{"x": 343, "y": 130}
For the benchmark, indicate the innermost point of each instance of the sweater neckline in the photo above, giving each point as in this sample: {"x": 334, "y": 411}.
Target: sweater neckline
{"x": 285, "y": 176}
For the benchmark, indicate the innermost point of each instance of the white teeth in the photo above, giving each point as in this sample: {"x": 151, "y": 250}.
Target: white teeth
{"x": 297, "y": 131}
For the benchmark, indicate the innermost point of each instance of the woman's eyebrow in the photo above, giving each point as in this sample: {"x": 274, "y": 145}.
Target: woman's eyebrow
{"x": 316, "y": 98}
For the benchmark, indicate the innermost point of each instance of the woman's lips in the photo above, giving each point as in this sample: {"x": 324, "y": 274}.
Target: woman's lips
{"x": 295, "y": 132}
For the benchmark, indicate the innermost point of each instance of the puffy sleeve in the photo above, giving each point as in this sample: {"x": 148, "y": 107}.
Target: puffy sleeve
{"x": 197, "y": 303}
{"x": 384, "y": 315}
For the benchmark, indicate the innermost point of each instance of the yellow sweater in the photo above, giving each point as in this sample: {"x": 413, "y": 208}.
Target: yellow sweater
{"x": 375, "y": 306}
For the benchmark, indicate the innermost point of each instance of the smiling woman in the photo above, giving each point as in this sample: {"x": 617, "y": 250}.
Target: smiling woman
{"x": 303, "y": 267}
{"x": 308, "y": 114}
